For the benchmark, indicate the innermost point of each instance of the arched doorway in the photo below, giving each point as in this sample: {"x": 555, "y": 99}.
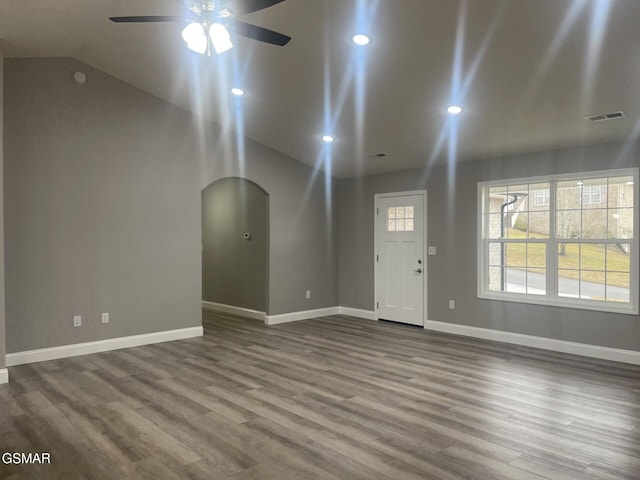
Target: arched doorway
{"x": 235, "y": 244}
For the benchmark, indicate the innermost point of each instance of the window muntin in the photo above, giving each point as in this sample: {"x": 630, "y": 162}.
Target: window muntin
{"x": 562, "y": 241}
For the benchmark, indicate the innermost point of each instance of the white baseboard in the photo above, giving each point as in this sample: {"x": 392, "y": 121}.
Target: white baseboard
{"x": 4, "y": 376}
{"x": 303, "y": 315}
{"x": 357, "y": 312}
{"x": 245, "y": 312}
{"x": 43, "y": 354}
{"x": 594, "y": 351}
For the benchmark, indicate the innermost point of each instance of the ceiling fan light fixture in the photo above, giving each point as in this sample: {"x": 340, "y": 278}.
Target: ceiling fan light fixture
{"x": 220, "y": 38}
{"x": 237, "y": 91}
{"x": 328, "y": 138}
{"x": 195, "y": 37}
{"x": 454, "y": 109}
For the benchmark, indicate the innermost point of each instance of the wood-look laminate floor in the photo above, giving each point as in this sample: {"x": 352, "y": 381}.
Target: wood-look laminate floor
{"x": 330, "y": 398}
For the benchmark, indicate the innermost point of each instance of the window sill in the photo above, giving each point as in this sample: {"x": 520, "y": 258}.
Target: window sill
{"x": 626, "y": 309}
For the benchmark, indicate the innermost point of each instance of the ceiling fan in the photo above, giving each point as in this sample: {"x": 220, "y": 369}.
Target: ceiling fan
{"x": 210, "y": 24}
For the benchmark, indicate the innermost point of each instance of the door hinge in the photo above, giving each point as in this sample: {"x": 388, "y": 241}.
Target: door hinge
{"x": 377, "y": 304}
{"x": 377, "y": 258}
{"x": 377, "y": 211}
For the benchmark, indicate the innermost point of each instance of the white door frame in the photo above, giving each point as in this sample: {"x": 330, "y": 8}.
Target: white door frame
{"x": 378, "y": 196}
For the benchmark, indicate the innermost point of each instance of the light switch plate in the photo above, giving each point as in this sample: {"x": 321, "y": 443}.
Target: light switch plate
{"x": 432, "y": 250}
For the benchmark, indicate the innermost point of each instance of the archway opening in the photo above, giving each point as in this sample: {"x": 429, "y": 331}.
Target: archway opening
{"x": 235, "y": 244}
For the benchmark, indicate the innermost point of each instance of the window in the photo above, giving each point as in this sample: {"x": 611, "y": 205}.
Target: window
{"x": 400, "y": 219}
{"x": 591, "y": 194}
{"x": 542, "y": 197}
{"x": 566, "y": 240}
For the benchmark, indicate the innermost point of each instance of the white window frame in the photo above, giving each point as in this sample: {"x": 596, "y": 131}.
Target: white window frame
{"x": 552, "y": 298}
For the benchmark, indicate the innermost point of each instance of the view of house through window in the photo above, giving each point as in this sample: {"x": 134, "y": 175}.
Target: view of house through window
{"x": 560, "y": 240}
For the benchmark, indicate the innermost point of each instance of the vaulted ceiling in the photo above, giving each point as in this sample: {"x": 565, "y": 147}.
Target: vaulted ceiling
{"x": 526, "y": 72}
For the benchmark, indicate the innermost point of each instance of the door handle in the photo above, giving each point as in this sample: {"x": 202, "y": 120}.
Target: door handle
{"x": 418, "y": 270}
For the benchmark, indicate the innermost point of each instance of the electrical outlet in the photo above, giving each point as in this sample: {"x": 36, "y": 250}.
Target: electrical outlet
{"x": 105, "y": 317}
{"x": 308, "y": 294}
{"x": 452, "y": 304}
{"x": 77, "y": 321}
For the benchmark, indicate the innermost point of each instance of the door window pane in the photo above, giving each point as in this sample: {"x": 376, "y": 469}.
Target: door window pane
{"x": 400, "y": 219}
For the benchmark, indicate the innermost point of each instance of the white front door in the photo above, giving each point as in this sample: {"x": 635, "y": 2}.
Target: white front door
{"x": 400, "y": 262}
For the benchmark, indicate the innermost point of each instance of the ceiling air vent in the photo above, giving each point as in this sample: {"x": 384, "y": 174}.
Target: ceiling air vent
{"x": 606, "y": 116}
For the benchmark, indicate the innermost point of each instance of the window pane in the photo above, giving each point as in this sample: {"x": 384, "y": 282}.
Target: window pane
{"x": 568, "y": 284}
{"x": 391, "y": 212}
{"x": 400, "y": 225}
{"x": 592, "y": 256}
{"x": 536, "y": 255}
{"x": 495, "y": 279}
{"x": 620, "y": 223}
{"x": 592, "y": 285}
{"x": 497, "y": 197}
{"x": 494, "y": 226}
{"x": 594, "y": 193}
{"x": 520, "y": 226}
{"x": 518, "y": 190}
{"x": 391, "y": 225}
{"x": 594, "y": 223}
{"x": 568, "y": 224}
{"x": 409, "y": 224}
{"x": 516, "y": 280}
{"x": 569, "y": 256}
{"x": 495, "y": 254}
{"x": 408, "y": 212}
{"x": 536, "y": 281}
{"x": 568, "y": 195}
{"x": 516, "y": 255}
{"x": 618, "y": 257}
{"x": 399, "y": 212}
{"x": 539, "y": 225}
{"x": 618, "y": 287}
{"x": 620, "y": 192}
{"x": 539, "y": 197}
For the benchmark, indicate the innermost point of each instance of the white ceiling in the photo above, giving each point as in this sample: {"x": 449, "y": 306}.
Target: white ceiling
{"x": 528, "y": 73}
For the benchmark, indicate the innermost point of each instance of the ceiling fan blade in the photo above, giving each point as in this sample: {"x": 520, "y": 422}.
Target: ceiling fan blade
{"x": 147, "y": 19}
{"x": 242, "y": 7}
{"x": 258, "y": 33}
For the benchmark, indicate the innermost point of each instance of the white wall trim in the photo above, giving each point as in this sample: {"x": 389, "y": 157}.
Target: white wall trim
{"x": 302, "y": 315}
{"x": 63, "y": 351}
{"x": 245, "y": 312}
{"x": 357, "y": 312}
{"x": 4, "y": 376}
{"x": 586, "y": 350}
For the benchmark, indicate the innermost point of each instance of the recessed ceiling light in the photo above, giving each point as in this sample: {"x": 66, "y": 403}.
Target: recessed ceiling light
{"x": 238, "y": 92}
{"x": 361, "y": 39}
{"x": 328, "y": 138}
{"x": 454, "y": 109}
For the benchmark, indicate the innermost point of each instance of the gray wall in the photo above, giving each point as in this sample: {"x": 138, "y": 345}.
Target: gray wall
{"x": 102, "y": 190}
{"x": 234, "y": 269}
{"x": 303, "y": 218}
{"x": 102, "y": 196}
{"x": 2, "y": 305}
{"x": 452, "y": 228}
